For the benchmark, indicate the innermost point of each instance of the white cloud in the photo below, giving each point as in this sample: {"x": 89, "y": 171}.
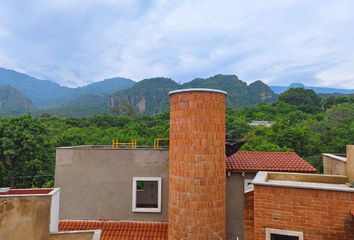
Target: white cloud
{"x": 340, "y": 75}
{"x": 276, "y": 41}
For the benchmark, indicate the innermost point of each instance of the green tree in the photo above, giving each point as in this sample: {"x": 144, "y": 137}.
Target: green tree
{"x": 335, "y": 100}
{"x": 299, "y": 137}
{"x": 260, "y": 140}
{"x": 25, "y": 153}
{"x": 304, "y": 99}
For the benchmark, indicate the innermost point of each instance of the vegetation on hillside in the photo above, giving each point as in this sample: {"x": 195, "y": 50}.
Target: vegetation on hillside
{"x": 47, "y": 94}
{"x": 150, "y": 96}
{"x": 27, "y": 143}
{"x": 13, "y": 102}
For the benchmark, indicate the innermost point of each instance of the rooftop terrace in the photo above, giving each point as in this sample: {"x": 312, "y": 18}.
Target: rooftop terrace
{"x": 109, "y": 147}
{"x": 301, "y": 180}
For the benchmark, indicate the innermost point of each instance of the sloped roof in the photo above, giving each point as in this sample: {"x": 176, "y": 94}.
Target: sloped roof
{"x": 267, "y": 161}
{"x": 119, "y": 230}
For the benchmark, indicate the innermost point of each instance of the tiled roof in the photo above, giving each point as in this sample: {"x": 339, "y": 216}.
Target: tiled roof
{"x": 352, "y": 213}
{"x": 118, "y": 230}
{"x": 267, "y": 161}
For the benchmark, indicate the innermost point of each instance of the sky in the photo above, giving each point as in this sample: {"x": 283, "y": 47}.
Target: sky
{"x": 279, "y": 42}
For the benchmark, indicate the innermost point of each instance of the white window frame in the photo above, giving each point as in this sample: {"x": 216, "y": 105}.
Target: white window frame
{"x": 156, "y": 210}
{"x": 246, "y": 186}
{"x": 270, "y": 231}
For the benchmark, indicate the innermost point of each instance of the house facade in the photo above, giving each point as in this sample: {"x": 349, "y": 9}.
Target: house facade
{"x": 242, "y": 167}
{"x": 303, "y": 206}
{"x": 120, "y": 184}
{"x": 97, "y": 183}
{"x": 189, "y": 191}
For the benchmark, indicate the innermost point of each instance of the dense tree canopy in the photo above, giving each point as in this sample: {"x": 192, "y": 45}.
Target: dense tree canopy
{"x": 25, "y": 151}
{"x": 27, "y": 143}
{"x": 304, "y": 99}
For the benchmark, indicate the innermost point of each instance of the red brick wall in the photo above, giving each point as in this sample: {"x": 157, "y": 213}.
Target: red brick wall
{"x": 318, "y": 214}
{"x": 248, "y": 216}
{"x": 197, "y": 178}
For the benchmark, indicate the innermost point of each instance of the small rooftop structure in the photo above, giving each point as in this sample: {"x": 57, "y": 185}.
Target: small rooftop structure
{"x": 33, "y": 214}
{"x": 299, "y": 206}
{"x": 340, "y": 164}
{"x": 261, "y": 123}
{"x": 243, "y": 161}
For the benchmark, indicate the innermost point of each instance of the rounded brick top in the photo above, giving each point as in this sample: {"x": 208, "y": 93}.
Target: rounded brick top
{"x": 197, "y": 90}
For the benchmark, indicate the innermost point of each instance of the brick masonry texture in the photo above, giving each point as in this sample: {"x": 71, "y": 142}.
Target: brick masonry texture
{"x": 319, "y": 214}
{"x": 197, "y": 179}
{"x": 248, "y": 215}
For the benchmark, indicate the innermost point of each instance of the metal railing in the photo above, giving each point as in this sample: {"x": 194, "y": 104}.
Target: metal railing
{"x": 158, "y": 140}
{"x": 117, "y": 144}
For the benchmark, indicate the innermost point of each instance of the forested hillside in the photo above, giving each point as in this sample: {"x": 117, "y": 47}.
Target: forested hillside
{"x": 301, "y": 123}
{"x": 124, "y": 96}
{"x": 46, "y": 94}
{"x": 13, "y": 102}
{"x": 150, "y": 96}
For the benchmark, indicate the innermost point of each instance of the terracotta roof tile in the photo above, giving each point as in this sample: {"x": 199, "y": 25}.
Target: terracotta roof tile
{"x": 118, "y": 230}
{"x": 267, "y": 161}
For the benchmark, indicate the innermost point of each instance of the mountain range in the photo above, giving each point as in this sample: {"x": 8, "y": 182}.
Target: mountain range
{"x": 150, "y": 96}
{"x": 118, "y": 95}
{"x": 321, "y": 90}
{"x": 20, "y": 93}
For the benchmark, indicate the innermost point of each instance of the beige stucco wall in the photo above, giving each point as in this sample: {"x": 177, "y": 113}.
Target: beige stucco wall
{"x": 350, "y": 163}
{"x": 34, "y": 217}
{"x": 234, "y": 205}
{"x": 340, "y": 166}
{"x": 334, "y": 165}
{"x": 24, "y": 217}
{"x": 96, "y": 183}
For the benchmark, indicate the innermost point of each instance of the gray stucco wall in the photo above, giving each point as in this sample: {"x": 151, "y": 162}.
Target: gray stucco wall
{"x": 234, "y": 204}
{"x": 96, "y": 183}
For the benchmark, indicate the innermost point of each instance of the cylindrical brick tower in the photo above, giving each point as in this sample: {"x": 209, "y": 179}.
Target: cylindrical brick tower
{"x": 197, "y": 177}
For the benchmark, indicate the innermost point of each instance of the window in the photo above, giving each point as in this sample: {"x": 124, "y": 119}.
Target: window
{"x": 146, "y": 194}
{"x": 248, "y": 186}
{"x": 278, "y": 234}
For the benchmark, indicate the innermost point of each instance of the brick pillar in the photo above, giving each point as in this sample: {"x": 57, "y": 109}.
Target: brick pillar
{"x": 197, "y": 177}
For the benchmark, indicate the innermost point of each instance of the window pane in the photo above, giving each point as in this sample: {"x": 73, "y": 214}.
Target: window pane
{"x": 147, "y": 194}
{"x": 282, "y": 237}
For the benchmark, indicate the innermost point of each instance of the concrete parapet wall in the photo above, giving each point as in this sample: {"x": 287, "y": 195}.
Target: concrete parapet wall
{"x": 334, "y": 165}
